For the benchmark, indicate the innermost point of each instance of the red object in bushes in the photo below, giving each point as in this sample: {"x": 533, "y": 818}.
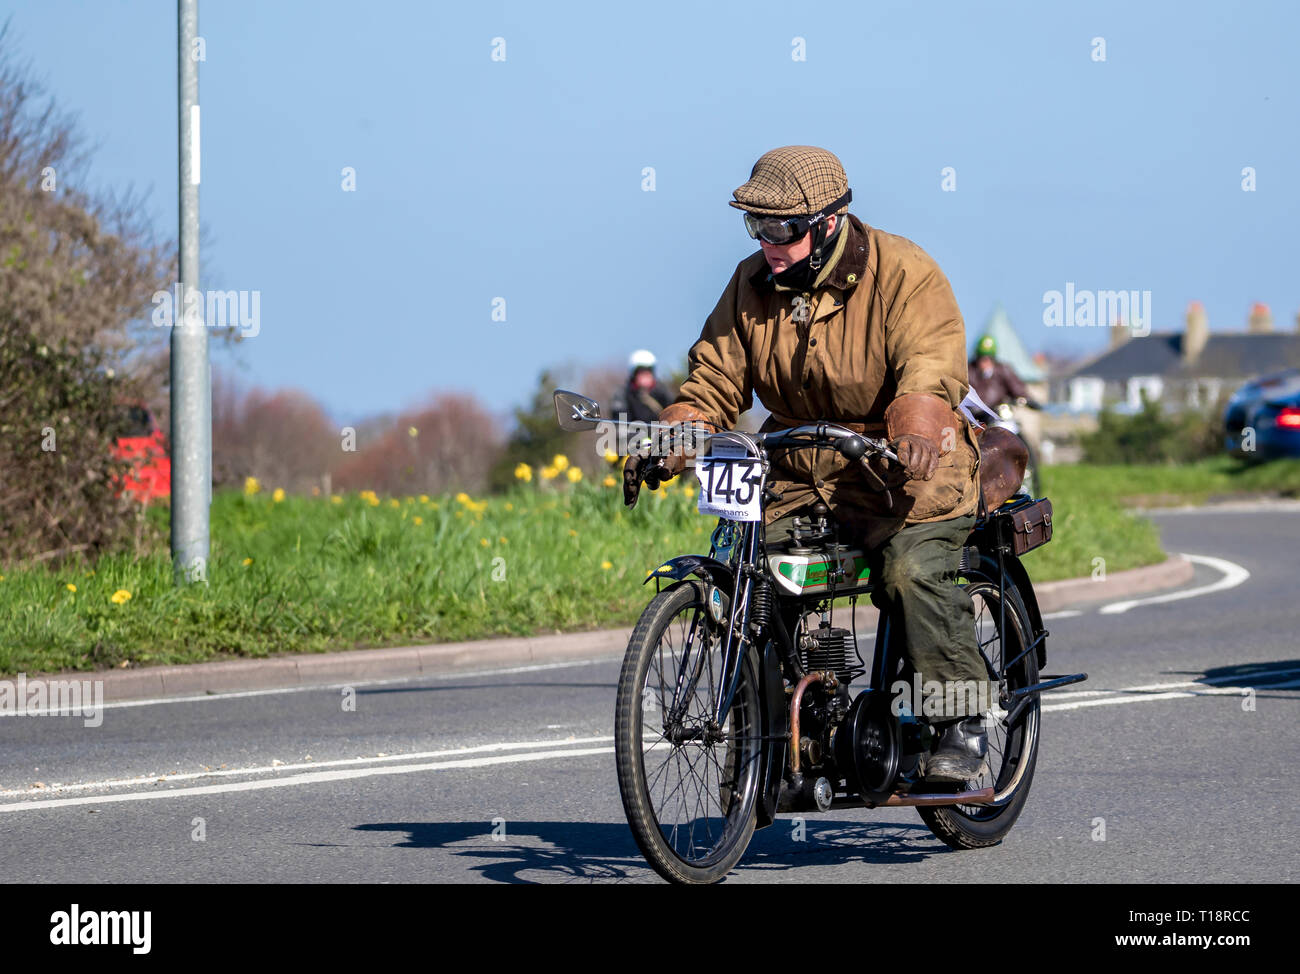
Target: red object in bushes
{"x": 144, "y": 448}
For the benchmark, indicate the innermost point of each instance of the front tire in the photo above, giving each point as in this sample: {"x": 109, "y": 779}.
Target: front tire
{"x": 690, "y": 792}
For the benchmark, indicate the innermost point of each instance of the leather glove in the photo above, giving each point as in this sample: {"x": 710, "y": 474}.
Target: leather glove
{"x": 652, "y": 471}
{"x": 918, "y": 455}
{"x": 919, "y": 426}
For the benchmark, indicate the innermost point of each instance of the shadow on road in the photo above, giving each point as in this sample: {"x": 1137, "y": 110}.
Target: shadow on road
{"x": 1273, "y": 675}
{"x": 588, "y": 851}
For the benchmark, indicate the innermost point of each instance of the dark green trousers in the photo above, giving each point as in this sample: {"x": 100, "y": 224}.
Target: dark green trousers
{"x": 914, "y": 572}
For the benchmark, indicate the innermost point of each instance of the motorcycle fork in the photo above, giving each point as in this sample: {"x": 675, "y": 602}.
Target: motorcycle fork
{"x": 732, "y": 647}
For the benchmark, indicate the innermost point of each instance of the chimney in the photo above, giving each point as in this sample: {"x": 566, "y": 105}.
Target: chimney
{"x": 1119, "y": 333}
{"x": 1197, "y": 333}
{"x": 1261, "y": 320}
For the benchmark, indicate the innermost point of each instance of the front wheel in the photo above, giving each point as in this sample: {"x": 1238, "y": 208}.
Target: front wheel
{"x": 1003, "y": 633}
{"x": 689, "y": 784}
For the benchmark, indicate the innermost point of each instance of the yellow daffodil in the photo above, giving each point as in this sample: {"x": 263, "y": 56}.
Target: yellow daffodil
{"x": 606, "y": 565}
{"x": 502, "y": 539}
{"x": 509, "y": 506}
{"x": 611, "y": 456}
{"x": 70, "y": 587}
{"x": 549, "y": 472}
{"x": 560, "y": 462}
{"x": 120, "y": 596}
{"x": 688, "y": 490}
{"x": 336, "y": 499}
{"x": 394, "y": 502}
{"x": 247, "y": 562}
{"x": 609, "y": 481}
{"x": 523, "y": 472}
{"x": 278, "y": 495}
{"x": 574, "y": 474}
{"x": 424, "y": 498}
{"x": 417, "y": 519}
{"x": 462, "y": 498}
{"x": 572, "y": 533}
{"x": 484, "y": 542}
{"x": 251, "y": 486}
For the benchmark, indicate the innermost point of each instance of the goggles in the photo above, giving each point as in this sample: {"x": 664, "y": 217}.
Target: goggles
{"x": 781, "y": 231}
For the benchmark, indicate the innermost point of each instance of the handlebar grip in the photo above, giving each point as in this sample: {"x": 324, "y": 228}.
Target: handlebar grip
{"x": 852, "y": 447}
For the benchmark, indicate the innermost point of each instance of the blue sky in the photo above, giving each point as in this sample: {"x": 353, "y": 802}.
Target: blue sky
{"x": 522, "y": 179}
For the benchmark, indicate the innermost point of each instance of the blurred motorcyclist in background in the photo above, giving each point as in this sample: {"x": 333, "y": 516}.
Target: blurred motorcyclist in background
{"x": 643, "y": 397}
{"x": 996, "y": 382}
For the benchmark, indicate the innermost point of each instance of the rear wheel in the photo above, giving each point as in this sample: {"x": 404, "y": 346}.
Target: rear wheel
{"x": 1013, "y": 749}
{"x": 689, "y": 787}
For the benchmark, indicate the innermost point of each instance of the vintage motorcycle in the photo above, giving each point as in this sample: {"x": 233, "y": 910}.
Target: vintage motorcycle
{"x": 733, "y": 701}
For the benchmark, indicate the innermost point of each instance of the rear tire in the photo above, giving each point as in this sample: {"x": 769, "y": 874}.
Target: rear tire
{"x": 1013, "y": 752}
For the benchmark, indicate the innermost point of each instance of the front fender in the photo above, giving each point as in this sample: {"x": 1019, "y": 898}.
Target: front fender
{"x": 710, "y": 569}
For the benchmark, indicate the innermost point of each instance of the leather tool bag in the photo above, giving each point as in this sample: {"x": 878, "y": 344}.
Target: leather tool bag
{"x": 1030, "y": 526}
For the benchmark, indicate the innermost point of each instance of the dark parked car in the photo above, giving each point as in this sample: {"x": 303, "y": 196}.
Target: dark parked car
{"x": 1262, "y": 419}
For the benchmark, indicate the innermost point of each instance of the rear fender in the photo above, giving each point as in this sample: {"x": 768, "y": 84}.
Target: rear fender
{"x": 1016, "y": 572}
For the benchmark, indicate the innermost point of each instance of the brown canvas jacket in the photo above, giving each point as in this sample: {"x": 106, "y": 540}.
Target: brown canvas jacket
{"x": 882, "y": 325}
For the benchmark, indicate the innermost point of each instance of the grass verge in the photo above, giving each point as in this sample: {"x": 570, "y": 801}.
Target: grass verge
{"x": 308, "y": 574}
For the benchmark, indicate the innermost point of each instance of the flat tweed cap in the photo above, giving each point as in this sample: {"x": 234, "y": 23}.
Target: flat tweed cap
{"x": 795, "y": 180}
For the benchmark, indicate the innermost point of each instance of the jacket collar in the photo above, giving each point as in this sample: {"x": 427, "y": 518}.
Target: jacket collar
{"x": 848, "y": 270}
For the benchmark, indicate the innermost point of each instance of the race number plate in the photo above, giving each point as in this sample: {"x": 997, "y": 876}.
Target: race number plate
{"x": 731, "y": 484}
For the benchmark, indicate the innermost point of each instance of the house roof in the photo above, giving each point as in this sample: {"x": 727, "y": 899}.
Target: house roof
{"x": 1010, "y": 348}
{"x": 1232, "y": 355}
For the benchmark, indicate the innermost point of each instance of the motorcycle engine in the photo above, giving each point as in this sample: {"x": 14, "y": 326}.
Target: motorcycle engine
{"x": 825, "y": 648}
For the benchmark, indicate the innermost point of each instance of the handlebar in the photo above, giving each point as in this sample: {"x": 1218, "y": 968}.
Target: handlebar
{"x": 850, "y": 445}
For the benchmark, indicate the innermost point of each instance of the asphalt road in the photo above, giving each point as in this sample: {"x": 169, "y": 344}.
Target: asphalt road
{"x": 508, "y": 776}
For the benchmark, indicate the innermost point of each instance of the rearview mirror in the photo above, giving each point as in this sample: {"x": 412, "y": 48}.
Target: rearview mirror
{"x": 575, "y": 412}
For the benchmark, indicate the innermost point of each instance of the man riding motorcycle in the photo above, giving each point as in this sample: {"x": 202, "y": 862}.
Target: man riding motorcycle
{"x": 835, "y": 320}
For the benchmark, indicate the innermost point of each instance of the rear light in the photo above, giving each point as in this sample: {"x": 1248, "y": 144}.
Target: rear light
{"x": 1289, "y": 418}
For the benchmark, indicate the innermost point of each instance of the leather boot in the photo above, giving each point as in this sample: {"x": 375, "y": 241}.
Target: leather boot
{"x": 962, "y": 749}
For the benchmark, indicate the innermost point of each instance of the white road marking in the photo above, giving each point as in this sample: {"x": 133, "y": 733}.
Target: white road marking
{"x": 1233, "y": 575}
{"x": 1173, "y": 695}
{"x": 280, "y": 768}
{"x": 316, "y": 777}
{"x": 1063, "y": 614}
{"x": 1157, "y": 687}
